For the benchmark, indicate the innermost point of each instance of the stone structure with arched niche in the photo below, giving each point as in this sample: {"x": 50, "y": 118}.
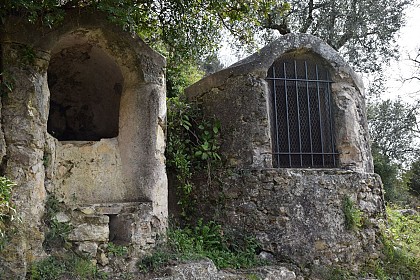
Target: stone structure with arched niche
{"x": 84, "y": 124}
{"x": 295, "y": 141}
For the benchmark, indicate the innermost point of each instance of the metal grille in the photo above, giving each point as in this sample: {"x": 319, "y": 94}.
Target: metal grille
{"x": 302, "y": 112}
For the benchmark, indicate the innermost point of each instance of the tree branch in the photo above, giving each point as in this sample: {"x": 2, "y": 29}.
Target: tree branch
{"x": 309, "y": 19}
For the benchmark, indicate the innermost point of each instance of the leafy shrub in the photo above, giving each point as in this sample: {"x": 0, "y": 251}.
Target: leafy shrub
{"x": 192, "y": 145}
{"x": 403, "y": 231}
{"x": 205, "y": 240}
{"x": 389, "y": 175}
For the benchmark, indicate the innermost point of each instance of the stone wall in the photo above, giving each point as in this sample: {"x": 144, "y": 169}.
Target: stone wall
{"x": 297, "y": 214}
{"x": 127, "y": 168}
{"x": 132, "y": 225}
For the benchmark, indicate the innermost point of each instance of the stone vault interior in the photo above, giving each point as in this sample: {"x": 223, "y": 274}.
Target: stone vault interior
{"x": 85, "y": 90}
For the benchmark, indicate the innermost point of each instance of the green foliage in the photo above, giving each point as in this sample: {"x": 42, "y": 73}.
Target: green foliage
{"x": 192, "y": 145}
{"x": 403, "y": 231}
{"x": 401, "y": 240}
{"x": 182, "y": 30}
{"x": 393, "y": 128}
{"x": 205, "y": 240}
{"x": 335, "y": 273}
{"x": 7, "y": 209}
{"x": 57, "y": 234}
{"x": 352, "y": 215}
{"x": 401, "y": 252}
{"x": 253, "y": 276}
{"x": 414, "y": 180}
{"x": 47, "y": 12}
{"x": 27, "y": 55}
{"x": 211, "y": 64}
{"x": 117, "y": 250}
{"x": 363, "y": 30}
{"x": 57, "y": 231}
{"x": 160, "y": 258}
{"x": 389, "y": 175}
{"x": 49, "y": 268}
{"x": 64, "y": 267}
{"x": 396, "y": 181}
{"x": 179, "y": 76}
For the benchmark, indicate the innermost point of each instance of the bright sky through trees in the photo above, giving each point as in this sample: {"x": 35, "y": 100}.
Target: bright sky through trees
{"x": 403, "y": 69}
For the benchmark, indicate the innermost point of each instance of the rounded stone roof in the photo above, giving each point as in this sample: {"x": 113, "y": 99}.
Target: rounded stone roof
{"x": 258, "y": 63}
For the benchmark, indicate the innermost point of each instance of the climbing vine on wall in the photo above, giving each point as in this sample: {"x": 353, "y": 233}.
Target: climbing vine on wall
{"x": 192, "y": 145}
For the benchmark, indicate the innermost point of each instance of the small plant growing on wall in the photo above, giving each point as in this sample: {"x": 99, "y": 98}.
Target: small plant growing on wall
{"x": 352, "y": 215}
{"x": 57, "y": 231}
{"x": 117, "y": 250}
{"x": 7, "y": 209}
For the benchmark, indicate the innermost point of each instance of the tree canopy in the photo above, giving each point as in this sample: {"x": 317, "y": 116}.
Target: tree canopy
{"x": 393, "y": 129}
{"x": 179, "y": 28}
{"x": 363, "y": 30}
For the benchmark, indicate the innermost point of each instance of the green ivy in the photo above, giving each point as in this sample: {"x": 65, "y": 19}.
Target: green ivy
{"x": 192, "y": 145}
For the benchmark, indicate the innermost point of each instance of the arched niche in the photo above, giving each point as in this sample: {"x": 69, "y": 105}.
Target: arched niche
{"x": 107, "y": 167}
{"x": 106, "y": 111}
{"x": 85, "y": 87}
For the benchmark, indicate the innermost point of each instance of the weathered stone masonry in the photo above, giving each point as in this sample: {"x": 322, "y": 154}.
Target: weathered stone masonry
{"x": 85, "y": 124}
{"x": 296, "y": 213}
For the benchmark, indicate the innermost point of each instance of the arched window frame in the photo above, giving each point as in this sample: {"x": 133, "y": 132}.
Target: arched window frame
{"x": 303, "y": 129}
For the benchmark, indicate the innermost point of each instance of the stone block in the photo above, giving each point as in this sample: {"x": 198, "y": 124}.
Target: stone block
{"x": 89, "y": 232}
{"x": 88, "y": 248}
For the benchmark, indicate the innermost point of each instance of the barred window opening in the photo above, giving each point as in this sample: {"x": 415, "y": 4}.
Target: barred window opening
{"x": 303, "y": 127}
